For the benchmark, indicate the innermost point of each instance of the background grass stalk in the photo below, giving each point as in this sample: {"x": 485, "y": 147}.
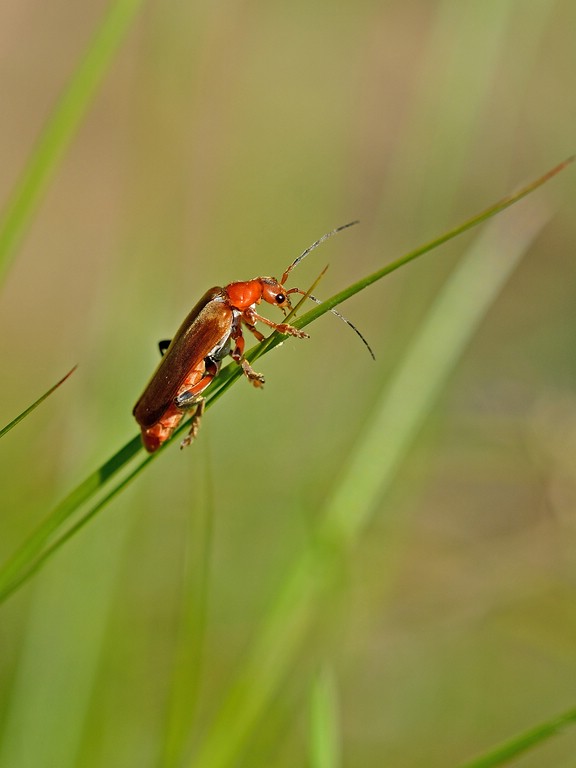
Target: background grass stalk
{"x": 427, "y": 363}
{"x": 324, "y": 722}
{"x": 61, "y": 127}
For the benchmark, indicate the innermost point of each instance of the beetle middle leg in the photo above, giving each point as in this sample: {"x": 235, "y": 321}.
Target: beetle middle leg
{"x": 237, "y": 353}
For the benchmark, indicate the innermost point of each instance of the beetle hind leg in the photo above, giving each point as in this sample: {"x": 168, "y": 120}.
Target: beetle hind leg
{"x": 190, "y": 398}
{"x": 199, "y": 406}
{"x": 196, "y": 404}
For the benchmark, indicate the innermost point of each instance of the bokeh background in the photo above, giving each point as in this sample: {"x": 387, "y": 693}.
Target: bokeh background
{"x": 225, "y": 138}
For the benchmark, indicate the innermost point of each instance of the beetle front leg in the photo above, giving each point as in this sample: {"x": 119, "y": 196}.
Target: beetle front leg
{"x": 237, "y": 355}
{"x": 251, "y": 317}
{"x": 255, "y": 331}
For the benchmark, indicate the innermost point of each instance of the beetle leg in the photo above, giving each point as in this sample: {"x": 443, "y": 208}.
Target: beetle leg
{"x": 250, "y": 317}
{"x": 256, "y": 378}
{"x": 163, "y": 346}
{"x": 189, "y": 393}
{"x": 190, "y": 398}
{"x": 255, "y": 331}
{"x": 187, "y": 400}
{"x": 194, "y": 422}
{"x": 237, "y": 355}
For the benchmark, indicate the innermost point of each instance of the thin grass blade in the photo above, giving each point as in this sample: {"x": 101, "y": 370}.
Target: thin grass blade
{"x": 488, "y": 213}
{"x": 34, "y": 405}
{"x": 528, "y": 740}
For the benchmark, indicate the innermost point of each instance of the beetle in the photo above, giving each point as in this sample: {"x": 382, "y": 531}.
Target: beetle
{"x": 211, "y": 331}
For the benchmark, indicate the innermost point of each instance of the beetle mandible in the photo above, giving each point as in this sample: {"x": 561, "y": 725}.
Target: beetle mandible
{"x": 211, "y": 331}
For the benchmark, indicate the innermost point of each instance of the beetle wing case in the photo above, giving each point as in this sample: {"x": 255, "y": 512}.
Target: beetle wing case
{"x": 207, "y": 324}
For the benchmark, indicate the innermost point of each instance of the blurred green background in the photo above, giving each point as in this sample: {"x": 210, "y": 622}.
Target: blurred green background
{"x": 226, "y": 138}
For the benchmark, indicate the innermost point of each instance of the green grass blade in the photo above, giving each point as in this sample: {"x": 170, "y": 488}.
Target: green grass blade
{"x": 50, "y": 698}
{"x": 324, "y": 725}
{"x": 37, "y": 549}
{"x": 23, "y": 561}
{"x": 446, "y": 331}
{"x": 61, "y": 127}
{"x": 34, "y": 405}
{"x": 526, "y": 741}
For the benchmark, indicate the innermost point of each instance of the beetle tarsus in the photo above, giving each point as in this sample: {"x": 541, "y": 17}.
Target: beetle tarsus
{"x": 289, "y": 330}
{"x": 257, "y": 379}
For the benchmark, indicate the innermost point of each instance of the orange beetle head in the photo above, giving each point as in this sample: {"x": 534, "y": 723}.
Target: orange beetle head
{"x": 274, "y": 293}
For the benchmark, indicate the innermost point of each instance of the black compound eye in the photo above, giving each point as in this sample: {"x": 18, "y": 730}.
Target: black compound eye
{"x": 280, "y": 298}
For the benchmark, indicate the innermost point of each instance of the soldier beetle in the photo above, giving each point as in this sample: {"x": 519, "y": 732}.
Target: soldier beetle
{"x": 211, "y": 331}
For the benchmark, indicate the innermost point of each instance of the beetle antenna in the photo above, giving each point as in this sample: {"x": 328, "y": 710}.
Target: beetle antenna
{"x": 335, "y": 312}
{"x": 314, "y": 245}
